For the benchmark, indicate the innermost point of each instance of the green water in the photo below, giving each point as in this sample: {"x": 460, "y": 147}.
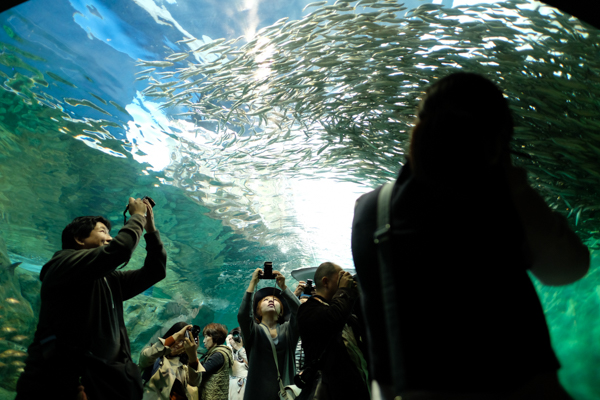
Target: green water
{"x": 236, "y": 183}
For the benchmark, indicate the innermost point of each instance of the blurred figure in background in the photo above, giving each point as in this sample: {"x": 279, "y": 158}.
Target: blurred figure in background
{"x": 303, "y": 291}
{"x": 239, "y": 371}
{"x": 450, "y": 308}
{"x": 170, "y": 366}
{"x": 217, "y": 363}
{"x": 268, "y": 318}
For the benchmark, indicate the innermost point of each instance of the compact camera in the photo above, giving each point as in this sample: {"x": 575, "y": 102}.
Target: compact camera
{"x": 236, "y": 336}
{"x": 152, "y": 204}
{"x": 308, "y": 289}
{"x": 195, "y": 333}
{"x": 267, "y": 271}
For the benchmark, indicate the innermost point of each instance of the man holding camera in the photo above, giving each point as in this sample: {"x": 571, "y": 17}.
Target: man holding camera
{"x": 331, "y": 335}
{"x": 81, "y": 337}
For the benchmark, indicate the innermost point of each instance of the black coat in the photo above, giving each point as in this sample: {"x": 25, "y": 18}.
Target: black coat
{"x": 321, "y": 330}
{"x": 81, "y": 316}
{"x": 467, "y": 314}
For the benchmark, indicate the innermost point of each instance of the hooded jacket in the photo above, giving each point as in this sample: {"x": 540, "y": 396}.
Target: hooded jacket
{"x": 81, "y": 316}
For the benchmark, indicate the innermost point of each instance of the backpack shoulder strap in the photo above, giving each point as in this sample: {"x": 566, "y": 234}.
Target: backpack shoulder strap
{"x": 383, "y": 213}
{"x": 385, "y": 252}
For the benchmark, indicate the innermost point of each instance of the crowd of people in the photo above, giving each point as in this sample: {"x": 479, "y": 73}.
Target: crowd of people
{"x": 442, "y": 306}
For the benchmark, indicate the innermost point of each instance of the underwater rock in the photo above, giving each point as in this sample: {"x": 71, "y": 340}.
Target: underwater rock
{"x": 141, "y": 315}
{"x": 17, "y": 322}
{"x": 204, "y": 317}
{"x": 173, "y": 309}
{"x": 30, "y": 289}
{"x": 6, "y": 394}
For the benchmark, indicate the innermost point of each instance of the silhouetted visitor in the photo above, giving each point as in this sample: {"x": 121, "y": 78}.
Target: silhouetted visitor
{"x": 452, "y": 310}
{"x": 81, "y": 332}
{"x": 217, "y": 363}
{"x": 267, "y": 318}
{"x": 170, "y": 365}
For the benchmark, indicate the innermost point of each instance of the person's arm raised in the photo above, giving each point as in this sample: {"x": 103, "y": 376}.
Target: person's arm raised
{"x": 558, "y": 256}
{"x": 161, "y": 347}
{"x": 155, "y": 265}
{"x": 246, "y": 313}
{"x": 300, "y": 288}
{"x": 254, "y": 280}
{"x": 291, "y": 299}
{"x": 100, "y": 261}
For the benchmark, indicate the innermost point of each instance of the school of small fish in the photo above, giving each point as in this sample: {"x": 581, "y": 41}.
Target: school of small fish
{"x": 338, "y": 90}
{"x": 11, "y": 353}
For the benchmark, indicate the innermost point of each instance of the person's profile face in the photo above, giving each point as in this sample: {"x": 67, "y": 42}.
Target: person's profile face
{"x": 208, "y": 342}
{"x": 98, "y": 237}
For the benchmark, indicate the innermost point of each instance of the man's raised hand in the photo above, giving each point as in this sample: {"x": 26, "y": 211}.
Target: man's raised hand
{"x": 136, "y": 206}
{"x": 150, "y": 227}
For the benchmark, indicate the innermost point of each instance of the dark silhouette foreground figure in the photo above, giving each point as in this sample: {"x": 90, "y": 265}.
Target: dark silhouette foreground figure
{"x": 454, "y": 314}
{"x": 81, "y": 333}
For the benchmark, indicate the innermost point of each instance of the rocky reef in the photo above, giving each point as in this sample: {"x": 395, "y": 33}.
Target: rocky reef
{"x": 19, "y": 308}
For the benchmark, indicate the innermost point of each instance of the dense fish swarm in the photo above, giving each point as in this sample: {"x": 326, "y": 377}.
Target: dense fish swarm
{"x": 338, "y": 89}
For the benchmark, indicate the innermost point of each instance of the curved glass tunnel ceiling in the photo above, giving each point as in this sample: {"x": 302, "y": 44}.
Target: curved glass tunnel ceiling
{"x": 256, "y": 149}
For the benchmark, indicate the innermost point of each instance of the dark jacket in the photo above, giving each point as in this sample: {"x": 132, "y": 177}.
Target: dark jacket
{"x": 81, "y": 329}
{"x": 321, "y": 328}
{"x": 467, "y": 314}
